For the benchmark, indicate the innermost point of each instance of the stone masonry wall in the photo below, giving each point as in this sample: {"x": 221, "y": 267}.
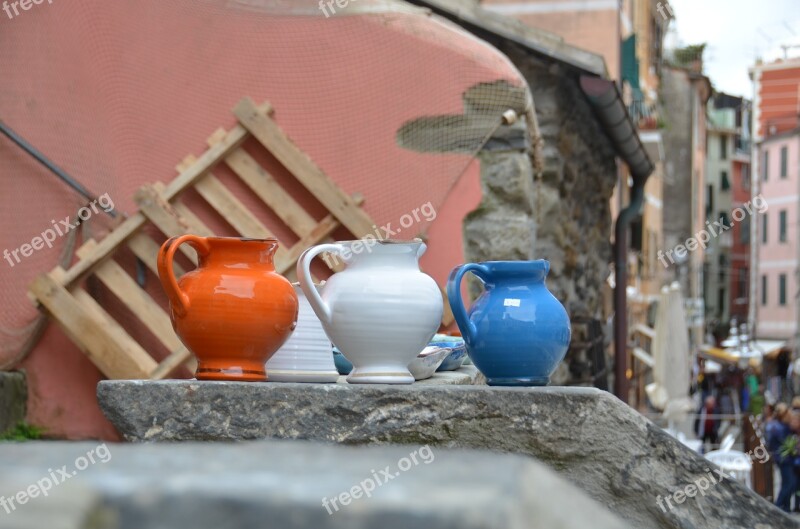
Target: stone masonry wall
{"x": 563, "y": 217}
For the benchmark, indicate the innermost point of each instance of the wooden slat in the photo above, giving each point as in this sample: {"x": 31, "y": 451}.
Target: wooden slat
{"x": 135, "y": 298}
{"x": 224, "y": 202}
{"x": 271, "y": 192}
{"x": 170, "y": 363}
{"x": 146, "y": 249}
{"x": 322, "y": 230}
{"x": 271, "y": 136}
{"x": 231, "y": 208}
{"x": 161, "y": 213}
{"x": 186, "y": 216}
{"x": 232, "y": 140}
{"x": 130, "y": 347}
{"x": 317, "y": 235}
{"x": 103, "y": 248}
{"x": 98, "y": 336}
{"x": 190, "y": 219}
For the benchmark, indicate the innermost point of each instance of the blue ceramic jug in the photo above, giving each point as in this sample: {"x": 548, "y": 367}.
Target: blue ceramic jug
{"x": 516, "y": 332}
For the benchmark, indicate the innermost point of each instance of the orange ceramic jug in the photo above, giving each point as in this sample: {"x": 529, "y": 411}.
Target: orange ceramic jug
{"x": 234, "y": 311}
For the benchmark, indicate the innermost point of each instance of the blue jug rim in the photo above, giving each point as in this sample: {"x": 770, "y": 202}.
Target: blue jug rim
{"x": 526, "y": 266}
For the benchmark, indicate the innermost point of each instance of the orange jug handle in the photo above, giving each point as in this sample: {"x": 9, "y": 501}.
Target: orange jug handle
{"x": 177, "y": 298}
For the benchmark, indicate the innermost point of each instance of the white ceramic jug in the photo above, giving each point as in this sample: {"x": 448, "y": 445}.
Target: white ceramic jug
{"x": 380, "y": 311}
{"x": 307, "y": 356}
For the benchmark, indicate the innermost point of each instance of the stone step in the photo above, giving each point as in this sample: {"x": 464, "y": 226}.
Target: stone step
{"x": 286, "y": 485}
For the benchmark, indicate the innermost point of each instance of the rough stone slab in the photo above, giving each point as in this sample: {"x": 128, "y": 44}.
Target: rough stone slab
{"x": 604, "y": 447}
{"x": 13, "y": 399}
{"x": 281, "y": 484}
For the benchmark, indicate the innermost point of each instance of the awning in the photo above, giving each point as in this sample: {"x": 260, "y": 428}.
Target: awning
{"x": 750, "y": 354}
{"x": 720, "y": 355}
{"x": 768, "y": 348}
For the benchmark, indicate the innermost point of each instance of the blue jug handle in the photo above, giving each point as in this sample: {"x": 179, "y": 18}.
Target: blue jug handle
{"x": 468, "y": 329}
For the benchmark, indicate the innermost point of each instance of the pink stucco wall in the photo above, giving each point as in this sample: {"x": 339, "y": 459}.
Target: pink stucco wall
{"x": 777, "y": 257}
{"x": 117, "y": 93}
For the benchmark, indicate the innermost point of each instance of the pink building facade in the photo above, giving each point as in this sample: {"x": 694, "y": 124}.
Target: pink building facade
{"x": 777, "y": 237}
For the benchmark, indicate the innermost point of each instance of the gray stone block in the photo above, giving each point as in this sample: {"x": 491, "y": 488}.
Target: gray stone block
{"x": 594, "y": 440}
{"x": 283, "y": 484}
{"x": 13, "y": 399}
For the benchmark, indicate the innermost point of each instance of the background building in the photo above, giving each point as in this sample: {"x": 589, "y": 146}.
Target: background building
{"x": 740, "y": 195}
{"x": 724, "y": 134}
{"x": 774, "y": 291}
{"x": 684, "y": 94}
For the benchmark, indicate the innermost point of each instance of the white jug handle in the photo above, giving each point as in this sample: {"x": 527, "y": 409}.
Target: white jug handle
{"x": 322, "y": 310}
{"x": 421, "y": 249}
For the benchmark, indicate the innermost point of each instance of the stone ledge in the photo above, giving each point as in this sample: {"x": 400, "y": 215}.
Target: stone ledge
{"x": 601, "y": 445}
{"x": 282, "y": 484}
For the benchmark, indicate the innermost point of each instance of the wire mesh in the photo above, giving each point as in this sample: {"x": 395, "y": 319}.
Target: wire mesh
{"x": 117, "y": 93}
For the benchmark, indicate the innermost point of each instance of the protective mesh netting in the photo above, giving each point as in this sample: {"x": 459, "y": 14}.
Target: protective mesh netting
{"x": 117, "y": 93}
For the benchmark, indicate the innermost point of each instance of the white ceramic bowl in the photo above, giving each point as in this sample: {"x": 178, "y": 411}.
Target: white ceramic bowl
{"x": 426, "y": 362}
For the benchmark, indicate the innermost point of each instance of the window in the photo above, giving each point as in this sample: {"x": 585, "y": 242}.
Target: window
{"x": 723, "y": 147}
{"x": 766, "y": 165}
{"x": 764, "y": 229}
{"x": 784, "y": 161}
{"x": 782, "y": 289}
{"x": 709, "y": 201}
{"x": 724, "y": 220}
{"x": 742, "y": 280}
{"x": 782, "y": 225}
{"x": 744, "y": 231}
{"x": 724, "y": 182}
{"x": 746, "y": 177}
{"x": 763, "y": 290}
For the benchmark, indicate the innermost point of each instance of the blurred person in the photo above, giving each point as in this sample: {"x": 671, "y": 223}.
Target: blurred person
{"x": 751, "y": 382}
{"x": 707, "y": 426}
{"x": 766, "y": 414}
{"x": 791, "y": 449}
{"x": 757, "y": 401}
{"x": 777, "y": 431}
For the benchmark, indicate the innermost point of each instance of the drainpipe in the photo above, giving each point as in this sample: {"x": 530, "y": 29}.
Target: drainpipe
{"x": 605, "y": 99}
{"x": 620, "y": 289}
